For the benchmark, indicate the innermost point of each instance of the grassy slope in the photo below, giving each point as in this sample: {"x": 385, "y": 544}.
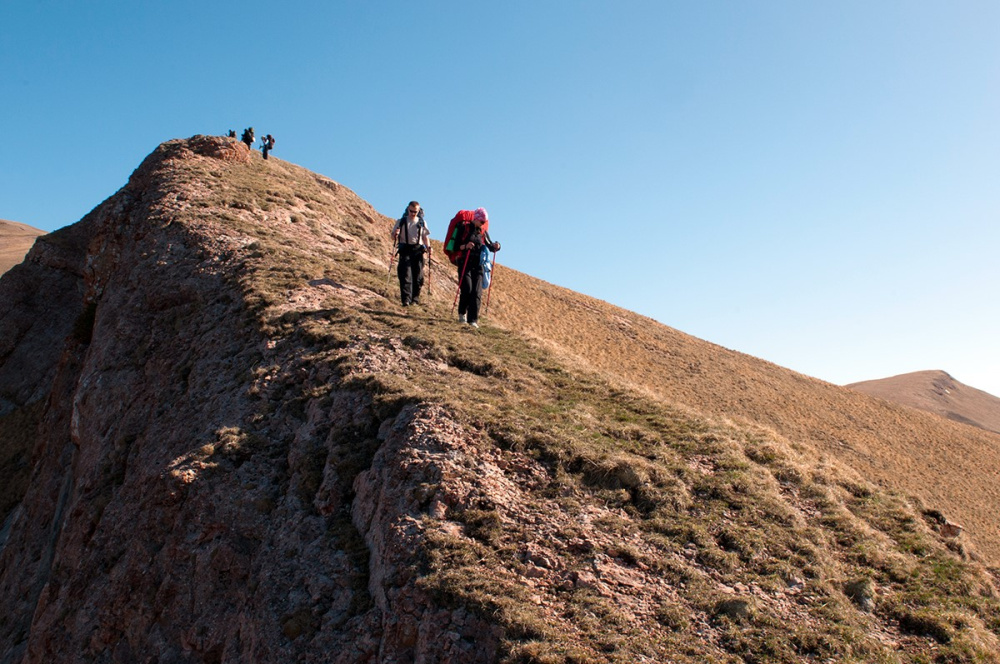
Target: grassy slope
{"x": 15, "y": 241}
{"x": 746, "y": 538}
{"x": 952, "y": 467}
{"x": 937, "y": 392}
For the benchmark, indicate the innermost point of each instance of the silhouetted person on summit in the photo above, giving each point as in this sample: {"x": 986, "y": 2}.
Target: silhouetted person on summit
{"x": 247, "y": 137}
{"x": 267, "y": 144}
{"x": 231, "y": 134}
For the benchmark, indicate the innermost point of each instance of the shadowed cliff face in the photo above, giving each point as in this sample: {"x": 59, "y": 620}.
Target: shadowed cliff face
{"x": 222, "y": 442}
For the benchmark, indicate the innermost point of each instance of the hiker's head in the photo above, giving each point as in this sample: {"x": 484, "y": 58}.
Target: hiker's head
{"x": 480, "y": 215}
{"x": 413, "y": 208}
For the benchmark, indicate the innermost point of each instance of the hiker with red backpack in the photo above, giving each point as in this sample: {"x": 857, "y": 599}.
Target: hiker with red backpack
{"x": 413, "y": 240}
{"x": 465, "y": 242}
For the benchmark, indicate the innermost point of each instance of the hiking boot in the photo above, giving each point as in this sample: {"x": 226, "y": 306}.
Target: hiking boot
{"x": 415, "y": 301}
{"x": 461, "y": 318}
{"x": 473, "y": 324}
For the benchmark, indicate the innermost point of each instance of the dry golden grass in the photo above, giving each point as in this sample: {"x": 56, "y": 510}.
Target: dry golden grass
{"x": 15, "y": 241}
{"x": 952, "y": 467}
{"x": 937, "y": 392}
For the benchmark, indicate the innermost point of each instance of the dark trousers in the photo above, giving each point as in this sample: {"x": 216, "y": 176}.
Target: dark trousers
{"x": 410, "y": 272}
{"x": 470, "y": 288}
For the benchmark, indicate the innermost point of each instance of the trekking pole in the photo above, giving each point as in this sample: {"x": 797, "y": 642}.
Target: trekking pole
{"x": 392, "y": 256}
{"x": 493, "y": 277}
{"x": 423, "y": 233}
{"x": 461, "y": 279}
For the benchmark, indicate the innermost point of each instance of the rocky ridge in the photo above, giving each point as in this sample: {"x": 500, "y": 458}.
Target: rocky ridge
{"x": 221, "y": 442}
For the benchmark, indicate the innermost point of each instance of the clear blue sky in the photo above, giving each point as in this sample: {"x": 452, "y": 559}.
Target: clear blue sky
{"x": 813, "y": 183}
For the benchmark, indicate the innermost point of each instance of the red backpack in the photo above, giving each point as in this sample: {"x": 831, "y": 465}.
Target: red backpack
{"x": 452, "y": 238}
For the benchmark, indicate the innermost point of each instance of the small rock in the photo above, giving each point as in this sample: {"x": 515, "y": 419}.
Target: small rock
{"x": 438, "y": 509}
{"x": 861, "y": 593}
{"x": 584, "y": 579}
{"x": 534, "y": 572}
{"x": 949, "y": 529}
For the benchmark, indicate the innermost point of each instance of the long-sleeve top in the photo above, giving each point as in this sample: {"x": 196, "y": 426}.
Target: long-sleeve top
{"x": 468, "y": 233}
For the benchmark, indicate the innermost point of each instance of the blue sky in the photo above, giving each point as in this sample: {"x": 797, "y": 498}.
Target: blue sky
{"x": 813, "y": 183}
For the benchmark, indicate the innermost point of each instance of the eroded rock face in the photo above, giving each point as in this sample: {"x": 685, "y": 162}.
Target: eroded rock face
{"x": 220, "y": 148}
{"x": 192, "y": 482}
{"x": 422, "y": 471}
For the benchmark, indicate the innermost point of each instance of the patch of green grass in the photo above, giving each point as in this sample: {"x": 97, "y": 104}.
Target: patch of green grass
{"x": 464, "y": 573}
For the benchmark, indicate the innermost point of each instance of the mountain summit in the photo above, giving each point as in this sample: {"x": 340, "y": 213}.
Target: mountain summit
{"x": 221, "y": 440}
{"x": 937, "y": 392}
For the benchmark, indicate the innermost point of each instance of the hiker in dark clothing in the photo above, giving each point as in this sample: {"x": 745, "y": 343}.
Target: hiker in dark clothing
{"x": 267, "y": 144}
{"x": 413, "y": 240}
{"x": 247, "y": 137}
{"x": 471, "y": 240}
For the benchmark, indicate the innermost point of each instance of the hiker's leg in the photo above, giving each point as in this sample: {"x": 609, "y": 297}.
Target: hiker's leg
{"x": 418, "y": 275}
{"x": 403, "y": 271}
{"x": 464, "y": 286}
{"x": 475, "y": 294}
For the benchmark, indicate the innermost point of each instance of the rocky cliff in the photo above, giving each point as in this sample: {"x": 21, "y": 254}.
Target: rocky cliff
{"x": 221, "y": 442}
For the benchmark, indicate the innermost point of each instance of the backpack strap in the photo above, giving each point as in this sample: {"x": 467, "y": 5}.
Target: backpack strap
{"x": 421, "y": 229}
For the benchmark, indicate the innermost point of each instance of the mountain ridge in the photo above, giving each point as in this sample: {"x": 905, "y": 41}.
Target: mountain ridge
{"x": 15, "y": 241}
{"x": 937, "y": 392}
{"x": 223, "y": 441}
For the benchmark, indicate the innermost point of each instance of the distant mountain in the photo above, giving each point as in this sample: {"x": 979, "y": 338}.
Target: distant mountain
{"x": 937, "y": 392}
{"x": 15, "y": 241}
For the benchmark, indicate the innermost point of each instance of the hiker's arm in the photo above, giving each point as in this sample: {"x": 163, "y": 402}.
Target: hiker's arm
{"x": 494, "y": 246}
